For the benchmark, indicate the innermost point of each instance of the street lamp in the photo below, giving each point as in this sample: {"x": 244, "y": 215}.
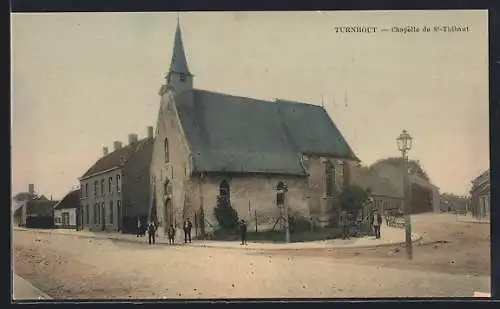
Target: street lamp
{"x": 404, "y": 144}
{"x": 281, "y": 190}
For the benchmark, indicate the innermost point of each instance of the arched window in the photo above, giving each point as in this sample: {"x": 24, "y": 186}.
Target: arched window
{"x": 118, "y": 183}
{"x": 280, "y": 194}
{"x": 167, "y": 154}
{"x": 110, "y": 184}
{"x": 330, "y": 178}
{"x": 224, "y": 190}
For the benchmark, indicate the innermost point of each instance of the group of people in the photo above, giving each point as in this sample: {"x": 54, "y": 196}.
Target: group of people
{"x": 152, "y": 230}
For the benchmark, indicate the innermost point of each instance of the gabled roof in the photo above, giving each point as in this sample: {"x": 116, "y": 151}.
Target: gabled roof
{"x": 115, "y": 159}
{"x": 235, "y": 134}
{"x": 71, "y": 200}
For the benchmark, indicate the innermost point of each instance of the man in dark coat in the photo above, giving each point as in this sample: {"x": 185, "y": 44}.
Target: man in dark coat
{"x": 151, "y": 232}
{"x": 243, "y": 232}
{"x": 171, "y": 234}
{"x": 376, "y": 223}
{"x": 187, "y": 230}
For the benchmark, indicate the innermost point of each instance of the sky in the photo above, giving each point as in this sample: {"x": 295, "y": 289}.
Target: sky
{"x": 83, "y": 80}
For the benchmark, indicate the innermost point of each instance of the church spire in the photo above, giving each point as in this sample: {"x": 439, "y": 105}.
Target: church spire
{"x": 179, "y": 62}
{"x": 178, "y": 77}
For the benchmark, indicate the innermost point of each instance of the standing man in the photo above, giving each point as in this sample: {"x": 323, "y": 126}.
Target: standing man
{"x": 377, "y": 222}
{"x": 171, "y": 234}
{"x": 151, "y": 232}
{"x": 187, "y": 230}
{"x": 243, "y": 232}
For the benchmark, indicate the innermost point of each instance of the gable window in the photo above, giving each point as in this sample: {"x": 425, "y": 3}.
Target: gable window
{"x": 167, "y": 154}
{"x": 182, "y": 77}
{"x": 110, "y": 184}
{"x": 118, "y": 183}
{"x": 329, "y": 178}
{"x": 224, "y": 190}
{"x": 86, "y": 190}
{"x": 96, "y": 183}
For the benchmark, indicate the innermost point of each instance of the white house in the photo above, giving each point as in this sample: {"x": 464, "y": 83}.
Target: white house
{"x": 66, "y": 212}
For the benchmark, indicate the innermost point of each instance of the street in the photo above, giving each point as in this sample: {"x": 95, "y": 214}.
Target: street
{"x": 454, "y": 261}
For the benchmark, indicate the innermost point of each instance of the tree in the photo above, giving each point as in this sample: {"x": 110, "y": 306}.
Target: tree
{"x": 226, "y": 215}
{"x": 352, "y": 199}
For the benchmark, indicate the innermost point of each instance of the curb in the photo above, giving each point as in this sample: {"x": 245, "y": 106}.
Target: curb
{"x": 395, "y": 244}
{"x": 201, "y": 245}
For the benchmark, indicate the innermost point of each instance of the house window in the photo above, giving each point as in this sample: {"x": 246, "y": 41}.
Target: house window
{"x": 118, "y": 183}
{"x": 111, "y": 213}
{"x": 96, "y": 183}
{"x": 167, "y": 154}
{"x": 81, "y": 192}
{"x": 86, "y": 190}
{"x": 224, "y": 190}
{"x": 102, "y": 186}
{"x": 87, "y": 215}
{"x": 96, "y": 214}
{"x": 110, "y": 183}
{"x": 182, "y": 77}
{"x": 329, "y": 178}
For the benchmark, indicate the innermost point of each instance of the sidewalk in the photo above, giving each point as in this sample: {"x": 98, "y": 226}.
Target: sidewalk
{"x": 390, "y": 237}
{"x": 472, "y": 219}
{"x": 22, "y": 289}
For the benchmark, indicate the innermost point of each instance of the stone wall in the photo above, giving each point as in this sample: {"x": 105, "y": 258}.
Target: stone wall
{"x": 177, "y": 169}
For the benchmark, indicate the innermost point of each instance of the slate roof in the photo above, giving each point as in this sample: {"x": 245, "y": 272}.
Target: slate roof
{"x": 235, "y": 134}
{"x": 70, "y": 200}
{"x": 116, "y": 158}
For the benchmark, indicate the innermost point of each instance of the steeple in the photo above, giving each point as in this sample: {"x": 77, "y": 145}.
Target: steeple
{"x": 179, "y": 76}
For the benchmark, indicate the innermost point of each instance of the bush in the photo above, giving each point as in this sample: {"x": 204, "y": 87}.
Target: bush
{"x": 226, "y": 215}
{"x": 352, "y": 199}
{"x": 299, "y": 224}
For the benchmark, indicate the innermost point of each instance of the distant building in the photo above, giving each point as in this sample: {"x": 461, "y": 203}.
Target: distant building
{"x": 66, "y": 212}
{"x": 425, "y": 196}
{"x": 385, "y": 196}
{"x": 114, "y": 191}
{"x": 211, "y": 145}
{"x": 36, "y": 214}
{"x": 480, "y": 195}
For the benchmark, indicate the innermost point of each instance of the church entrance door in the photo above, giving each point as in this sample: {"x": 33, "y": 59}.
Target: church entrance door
{"x": 168, "y": 214}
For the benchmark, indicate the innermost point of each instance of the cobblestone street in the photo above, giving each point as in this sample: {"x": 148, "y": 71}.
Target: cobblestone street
{"x": 66, "y": 267}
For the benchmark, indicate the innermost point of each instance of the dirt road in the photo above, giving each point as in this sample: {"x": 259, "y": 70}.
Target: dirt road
{"x": 68, "y": 267}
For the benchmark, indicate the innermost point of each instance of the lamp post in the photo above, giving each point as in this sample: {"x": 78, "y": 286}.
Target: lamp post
{"x": 281, "y": 190}
{"x": 404, "y": 144}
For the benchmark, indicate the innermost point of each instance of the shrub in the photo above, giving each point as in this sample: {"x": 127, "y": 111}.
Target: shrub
{"x": 352, "y": 199}
{"x": 299, "y": 224}
{"x": 226, "y": 215}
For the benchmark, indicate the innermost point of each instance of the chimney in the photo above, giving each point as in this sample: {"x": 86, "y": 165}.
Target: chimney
{"x": 31, "y": 188}
{"x": 104, "y": 151}
{"x": 132, "y": 138}
{"x": 150, "y": 131}
{"x": 117, "y": 145}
